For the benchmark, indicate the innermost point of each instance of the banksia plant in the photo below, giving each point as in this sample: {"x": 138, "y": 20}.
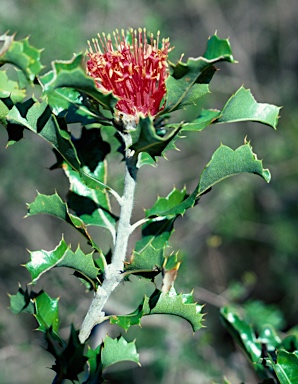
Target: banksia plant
{"x": 122, "y": 88}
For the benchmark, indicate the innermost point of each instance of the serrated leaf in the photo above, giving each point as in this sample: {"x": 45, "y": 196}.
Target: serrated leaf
{"x": 72, "y": 74}
{"x": 70, "y": 360}
{"x": 155, "y": 233}
{"x": 169, "y": 303}
{"x": 181, "y": 305}
{"x": 21, "y": 302}
{"x": 46, "y": 312}
{"x": 242, "y": 106}
{"x": 226, "y": 162}
{"x": 148, "y": 259}
{"x": 71, "y": 104}
{"x": 286, "y": 367}
{"x": 188, "y": 81}
{"x": 166, "y": 206}
{"x": 92, "y": 206}
{"x": 145, "y": 138}
{"x": 81, "y": 263}
{"x": 15, "y": 130}
{"x": 21, "y": 54}
{"x": 116, "y": 350}
{"x": 42, "y": 261}
{"x": 217, "y": 47}
{"x": 10, "y": 89}
{"x": 39, "y": 119}
{"x": 207, "y": 117}
{"x": 126, "y": 321}
{"x": 62, "y": 256}
{"x": 149, "y": 251}
{"x": 95, "y": 366}
{"x": 145, "y": 159}
{"x": 54, "y": 205}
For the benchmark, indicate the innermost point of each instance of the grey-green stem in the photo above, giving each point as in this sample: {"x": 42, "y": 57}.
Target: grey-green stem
{"x": 113, "y": 272}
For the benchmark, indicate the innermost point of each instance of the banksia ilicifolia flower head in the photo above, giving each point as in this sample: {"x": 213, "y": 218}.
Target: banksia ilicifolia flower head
{"x": 134, "y": 67}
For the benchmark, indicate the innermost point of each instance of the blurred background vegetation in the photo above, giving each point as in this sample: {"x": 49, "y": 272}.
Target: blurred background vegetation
{"x": 238, "y": 245}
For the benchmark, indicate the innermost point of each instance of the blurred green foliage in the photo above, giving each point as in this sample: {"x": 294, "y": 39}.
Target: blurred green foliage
{"x": 239, "y": 245}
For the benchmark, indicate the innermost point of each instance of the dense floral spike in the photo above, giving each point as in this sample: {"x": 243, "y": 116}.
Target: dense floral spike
{"x": 133, "y": 67}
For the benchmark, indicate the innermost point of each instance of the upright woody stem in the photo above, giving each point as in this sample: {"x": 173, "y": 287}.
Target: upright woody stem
{"x": 113, "y": 272}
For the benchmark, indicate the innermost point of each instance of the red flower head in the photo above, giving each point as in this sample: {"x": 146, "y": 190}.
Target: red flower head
{"x": 133, "y": 68}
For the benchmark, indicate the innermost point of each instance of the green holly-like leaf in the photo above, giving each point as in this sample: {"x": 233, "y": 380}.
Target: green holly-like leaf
{"x": 169, "y": 303}
{"x": 21, "y": 54}
{"x": 206, "y": 117}
{"x": 54, "y": 205}
{"x": 42, "y": 261}
{"x": 82, "y": 264}
{"x": 189, "y": 81}
{"x": 181, "y": 305}
{"x": 39, "y": 119}
{"x": 62, "y": 256}
{"x": 126, "y": 321}
{"x": 72, "y": 74}
{"x": 21, "y": 302}
{"x": 226, "y": 162}
{"x": 46, "y": 312}
{"x": 70, "y": 103}
{"x": 218, "y": 48}
{"x": 286, "y": 367}
{"x": 149, "y": 251}
{"x": 116, "y": 350}
{"x": 11, "y": 92}
{"x": 242, "y": 106}
{"x": 92, "y": 206}
{"x": 145, "y": 159}
{"x": 166, "y": 206}
{"x": 155, "y": 233}
{"x": 69, "y": 357}
{"x": 148, "y": 259}
{"x": 95, "y": 366}
{"x": 145, "y": 138}
{"x": 110, "y": 352}
{"x": 10, "y": 89}
{"x": 41, "y": 305}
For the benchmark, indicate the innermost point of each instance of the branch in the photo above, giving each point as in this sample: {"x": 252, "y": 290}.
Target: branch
{"x": 138, "y": 223}
{"x": 113, "y": 272}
